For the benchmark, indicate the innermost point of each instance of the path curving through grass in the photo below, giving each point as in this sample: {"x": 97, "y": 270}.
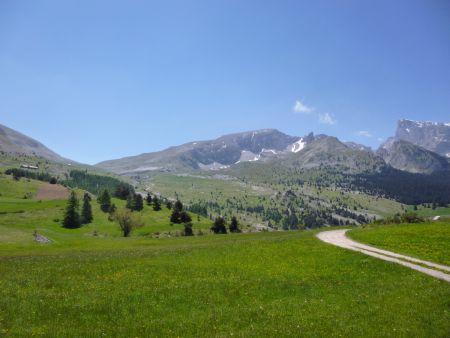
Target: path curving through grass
{"x": 338, "y": 238}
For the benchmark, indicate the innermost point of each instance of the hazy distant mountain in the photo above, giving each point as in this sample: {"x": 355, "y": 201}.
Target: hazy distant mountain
{"x": 357, "y": 146}
{"x": 254, "y": 146}
{"x": 13, "y": 142}
{"x": 258, "y": 145}
{"x": 429, "y": 135}
{"x": 409, "y": 157}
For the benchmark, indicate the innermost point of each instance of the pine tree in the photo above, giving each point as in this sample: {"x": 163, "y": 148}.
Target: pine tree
{"x": 219, "y": 226}
{"x": 234, "y": 226}
{"x": 104, "y": 199}
{"x": 149, "y": 199}
{"x": 178, "y": 206}
{"x": 185, "y": 217}
{"x": 188, "y": 229}
{"x": 123, "y": 190}
{"x": 86, "y": 211}
{"x": 156, "y": 204}
{"x": 138, "y": 202}
{"x": 72, "y": 216}
{"x": 175, "y": 217}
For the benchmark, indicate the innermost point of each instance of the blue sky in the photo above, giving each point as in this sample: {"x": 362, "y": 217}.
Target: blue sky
{"x": 95, "y": 80}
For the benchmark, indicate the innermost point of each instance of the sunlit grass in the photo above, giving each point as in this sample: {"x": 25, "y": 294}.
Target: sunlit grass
{"x": 429, "y": 241}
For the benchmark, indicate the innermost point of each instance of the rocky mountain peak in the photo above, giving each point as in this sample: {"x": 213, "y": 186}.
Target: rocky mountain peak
{"x": 433, "y": 136}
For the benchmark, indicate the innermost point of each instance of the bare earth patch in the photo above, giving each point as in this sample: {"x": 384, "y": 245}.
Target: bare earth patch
{"x": 52, "y": 192}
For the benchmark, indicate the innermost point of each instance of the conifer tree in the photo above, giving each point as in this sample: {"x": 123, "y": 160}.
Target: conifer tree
{"x": 156, "y": 204}
{"x": 178, "y": 206}
{"x": 188, "y": 229}
{"x": 72, "y": 216}
{"x": 234, "y": 226}
{"x": 219, "y": 226}
{"x": 138, "y": 202}
{"x": 86, "y": 211}
{"x": 149, "y": 199}
{"x": 175, "y": 217}
{"x": 185, "y": 217}
{"x": 104, "y": 199}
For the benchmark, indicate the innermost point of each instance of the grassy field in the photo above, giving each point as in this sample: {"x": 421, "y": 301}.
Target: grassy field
{"x": 280, "y": 284}
{"x": 429, "y": 241}
{"x": 430, "y": 212}
{"x": 248, "y": 285}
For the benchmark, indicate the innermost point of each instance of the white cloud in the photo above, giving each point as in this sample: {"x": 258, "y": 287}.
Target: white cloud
{"x": 301, "y": 108}
{"x": 364, "y": 133}
{"x": 327, "y": 119}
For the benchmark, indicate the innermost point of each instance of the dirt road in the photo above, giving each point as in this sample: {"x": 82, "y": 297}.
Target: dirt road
{"x": 338, "y": 238}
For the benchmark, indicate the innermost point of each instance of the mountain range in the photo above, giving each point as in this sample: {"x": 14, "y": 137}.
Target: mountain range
{"x": 412, "y": 149}
{"x": 417, "y": 147}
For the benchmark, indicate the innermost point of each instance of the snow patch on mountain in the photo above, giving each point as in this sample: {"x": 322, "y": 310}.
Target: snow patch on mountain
{"x": 248, "y": 156}
{"x": 297, "y": 146}
{"x": 213, "y": 166}
{"x": 269, "y": 151}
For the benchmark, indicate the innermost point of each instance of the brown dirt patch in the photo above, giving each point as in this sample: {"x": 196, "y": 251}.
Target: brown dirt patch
{"x": 52, "y": 192}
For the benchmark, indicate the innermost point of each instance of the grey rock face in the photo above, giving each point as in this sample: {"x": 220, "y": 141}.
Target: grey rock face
{"x": 432, "y": 136}
{"x": 406, "y": 156}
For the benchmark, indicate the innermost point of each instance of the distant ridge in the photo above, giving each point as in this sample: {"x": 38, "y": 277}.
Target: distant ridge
{"x": 14, "y": 142}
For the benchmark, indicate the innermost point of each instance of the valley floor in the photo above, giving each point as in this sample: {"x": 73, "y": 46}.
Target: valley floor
{"x": 248, "y": 285}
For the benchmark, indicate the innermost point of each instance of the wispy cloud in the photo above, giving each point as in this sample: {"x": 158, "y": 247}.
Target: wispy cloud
{"x": 364, "y": 133}
{"x": 327, "y": 119}
{"x": 301, "y": 108}
{"x": 324, "y": 118}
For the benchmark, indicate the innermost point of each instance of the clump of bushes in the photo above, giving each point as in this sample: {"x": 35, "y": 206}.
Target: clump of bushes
{"x": 409, "y": 217}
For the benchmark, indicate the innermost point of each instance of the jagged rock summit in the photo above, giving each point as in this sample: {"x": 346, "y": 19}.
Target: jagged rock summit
{"x": 433, "y": 136}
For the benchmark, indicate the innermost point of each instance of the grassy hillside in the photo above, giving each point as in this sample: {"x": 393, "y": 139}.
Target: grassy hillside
{"x": 20, "y": 217}
{"x": 429, "y": 241}
{"x": 256, "y": 198}
{"x": 430, "y": 212}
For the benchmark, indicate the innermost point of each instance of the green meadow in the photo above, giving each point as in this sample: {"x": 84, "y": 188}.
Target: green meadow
{"x": 429, "y": 241}
{"x": 91, "y": 282}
